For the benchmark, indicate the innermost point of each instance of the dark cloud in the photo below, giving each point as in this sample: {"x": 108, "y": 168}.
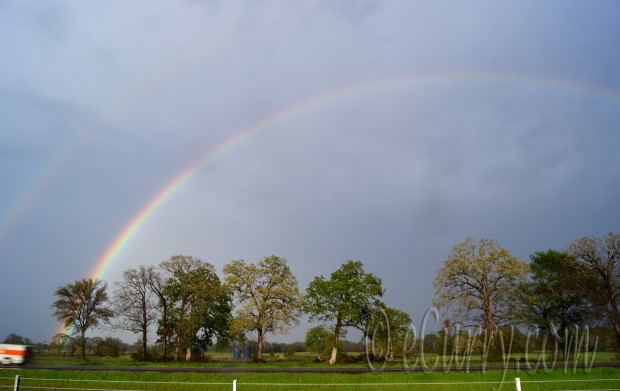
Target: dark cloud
{"x": 409, "y": 126}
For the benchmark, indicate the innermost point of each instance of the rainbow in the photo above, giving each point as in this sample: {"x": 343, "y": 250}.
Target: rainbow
{"x": 165, "y": 193}
{"x": 39, "y": 183}
{"x": 133, "y": 226}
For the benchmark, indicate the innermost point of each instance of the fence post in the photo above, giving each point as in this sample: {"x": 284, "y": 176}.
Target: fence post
{"x": 16, "y": 386}
{"x": 518, "y": 383}
{"x": 235, "y": 385}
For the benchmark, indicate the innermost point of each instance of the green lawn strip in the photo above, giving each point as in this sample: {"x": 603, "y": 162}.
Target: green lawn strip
{"x": 117, "y": 380}
{"x": 307, "y": 361}
{"x": 219, "y": 361}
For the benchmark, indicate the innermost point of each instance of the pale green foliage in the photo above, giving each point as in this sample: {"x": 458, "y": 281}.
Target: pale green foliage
{"x": 268, "y": 297}
{"x": 82, "y": 305}
{"x": 479, "y": 283}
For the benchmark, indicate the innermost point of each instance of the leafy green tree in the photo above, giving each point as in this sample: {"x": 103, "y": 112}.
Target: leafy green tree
{"x": 213, "y": 314}
{"x": 82, "y": 305}
{"x": 134, "y": 304}
{"x": 479, "y": 284}
{"x": 431, "y": 343}
{"x": 552, "y": 299}
{"x": 319, "y": 340}
{"x": 91, "y": 342}
{"x": 76, "y": 343}
{"x": 17, "y": 339}
{"x": 347, "y": 299}
{"x": 59, "y": 341}
{"x": 513, "y": 339}
{"x": 454, "y": 342}
{"x": 268, "y": 296}
{"x": 199, "y": 306}
{"x": 389, "y": 329}
{"x": 600, "y": 276}
{"x": 109, "y": 346}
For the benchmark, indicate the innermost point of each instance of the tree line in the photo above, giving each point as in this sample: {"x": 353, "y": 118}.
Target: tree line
{"x": 479, "y": 285}
{"x": 191, "y": 309}
{"x": 560, "y": 291}
{"x": 62, "y": 343}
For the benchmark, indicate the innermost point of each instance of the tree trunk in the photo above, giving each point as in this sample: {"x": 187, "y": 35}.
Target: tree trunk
{"x": 190, "y": 321}
{"x": 144, "y": 332}
{"x": 156, "y": 287}
{"x": 615, "y": 319}
{"x": 83, "y": 343}
{"x": 179, "y": 330}
{"x": 332, "y": 359}
{"x": 259, "y": 350}
{"x": 177, "y": 347}
{"x": 334, "y": 356}
{"x": 490, "y": 323}
{"x": 164, "y": 338}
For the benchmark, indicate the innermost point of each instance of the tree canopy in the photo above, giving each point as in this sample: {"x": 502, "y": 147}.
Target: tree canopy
{"x": 268, "y": 296}
{"x": 388, "y": 331}
{"x": 600, "y": 274}
{"x": 552, "y": 299}
{"x": 17, "y": 339}
{"x": 479, "y": 283}
{"x": 198, "y": 305}
{"x": 347, "y": 299}
{"x": 82, "y": 305}
{"x": 319, "y": 340}
{"x": 134, "y": 304}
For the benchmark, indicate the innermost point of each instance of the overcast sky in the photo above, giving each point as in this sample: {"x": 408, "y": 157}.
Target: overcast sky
{"x": 409, "y": 126}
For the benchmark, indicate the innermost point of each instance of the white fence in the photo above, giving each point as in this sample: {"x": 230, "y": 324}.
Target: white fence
{"x": 517, "y": 384}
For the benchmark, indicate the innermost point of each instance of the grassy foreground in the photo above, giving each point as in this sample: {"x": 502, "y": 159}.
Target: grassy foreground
{"x": 306, "y": 360}
{"x": 597, "y": 378}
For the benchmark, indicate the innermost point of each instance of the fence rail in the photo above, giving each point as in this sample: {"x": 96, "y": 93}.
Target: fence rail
{"x": 517, "y": 384}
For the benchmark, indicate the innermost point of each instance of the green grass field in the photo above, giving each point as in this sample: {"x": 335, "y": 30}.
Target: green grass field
{"x": 303, "y": 360}
{"x": 597, "y": 378}
{"x": 557, "y": 379}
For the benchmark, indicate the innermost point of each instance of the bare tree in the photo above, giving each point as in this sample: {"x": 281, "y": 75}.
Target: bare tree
{"x": 134, "y": 304}
{"x": 600, "y": 280}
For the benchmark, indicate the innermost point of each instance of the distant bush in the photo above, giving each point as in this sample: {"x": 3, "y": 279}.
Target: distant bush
{"x": 17, "y": 340}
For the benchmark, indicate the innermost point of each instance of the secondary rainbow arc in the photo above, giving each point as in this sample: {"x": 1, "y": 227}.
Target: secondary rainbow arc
{"x": 130, "y": 229}
{"x": 166, "y": 192}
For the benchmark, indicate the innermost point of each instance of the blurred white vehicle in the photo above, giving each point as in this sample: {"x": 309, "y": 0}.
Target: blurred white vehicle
{"x": 15, "y": 354}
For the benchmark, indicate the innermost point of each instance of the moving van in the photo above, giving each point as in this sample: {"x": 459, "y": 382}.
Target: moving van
{"x": 15, "y": 354}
